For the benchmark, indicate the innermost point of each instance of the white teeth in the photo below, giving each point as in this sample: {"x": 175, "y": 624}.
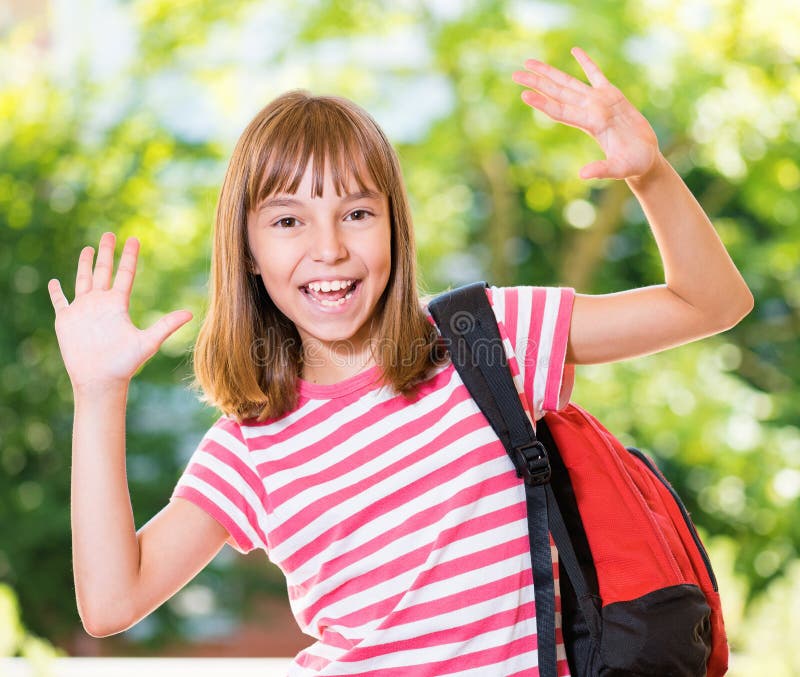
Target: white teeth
{"x": 333, "y": 304}
{"x": 332, "y": 285}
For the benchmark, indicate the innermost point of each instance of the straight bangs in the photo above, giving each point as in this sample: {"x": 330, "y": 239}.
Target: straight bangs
{"x": 332, "y": 138}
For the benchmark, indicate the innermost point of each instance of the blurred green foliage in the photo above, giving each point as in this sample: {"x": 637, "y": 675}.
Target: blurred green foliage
{"x": 15, "y": 640}
{"x": 496, "y": 195}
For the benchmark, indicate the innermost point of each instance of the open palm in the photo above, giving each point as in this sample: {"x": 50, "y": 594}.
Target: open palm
{"x": 99, "y": 343}
{"x": 599, "y": 109}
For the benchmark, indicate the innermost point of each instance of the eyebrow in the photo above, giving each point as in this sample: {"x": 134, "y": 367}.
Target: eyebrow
{"x": 287, "y": 201}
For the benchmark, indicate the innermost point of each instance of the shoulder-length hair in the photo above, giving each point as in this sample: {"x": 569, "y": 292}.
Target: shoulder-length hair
{"x": 248, "y": 353}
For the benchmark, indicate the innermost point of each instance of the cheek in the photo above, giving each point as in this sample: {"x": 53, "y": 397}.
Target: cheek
{"x": 381, "y": 252}
{"x": 274, "y": 277}
{"x": 275, "y": 260}
{"x": 275, "y": 274}
{"x": 278, "y": 287}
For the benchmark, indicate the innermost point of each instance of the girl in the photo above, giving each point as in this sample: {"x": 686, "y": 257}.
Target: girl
{"x": 341, "y": 420}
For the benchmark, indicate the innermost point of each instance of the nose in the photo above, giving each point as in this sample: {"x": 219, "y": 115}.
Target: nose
{"x": 327, "y": 243}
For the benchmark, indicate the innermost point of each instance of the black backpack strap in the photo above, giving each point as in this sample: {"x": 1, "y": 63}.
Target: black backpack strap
{"x": 469, "y": 328}
{"x": 473, "y": 338}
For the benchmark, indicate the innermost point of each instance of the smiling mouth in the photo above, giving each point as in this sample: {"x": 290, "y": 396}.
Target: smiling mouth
{"x": 332, "y": 298}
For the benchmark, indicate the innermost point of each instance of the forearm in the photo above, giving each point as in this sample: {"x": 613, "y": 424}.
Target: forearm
{"x": 105, "y": 548}
{"x": 697, "y": 266}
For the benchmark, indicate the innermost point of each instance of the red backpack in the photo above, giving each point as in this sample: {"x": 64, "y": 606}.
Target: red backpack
{"x": 638, "y": 595}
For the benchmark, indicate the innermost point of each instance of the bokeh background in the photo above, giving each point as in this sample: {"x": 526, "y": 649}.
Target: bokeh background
{"x": 120, "y": 115}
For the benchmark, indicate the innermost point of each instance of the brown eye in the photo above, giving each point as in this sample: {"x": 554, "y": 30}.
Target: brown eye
{"x": 286, "y": 222}
{"x": 358, "y": 215}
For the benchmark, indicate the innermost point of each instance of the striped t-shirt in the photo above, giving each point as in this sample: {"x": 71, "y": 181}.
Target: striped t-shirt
{"x": 400, "y": 524}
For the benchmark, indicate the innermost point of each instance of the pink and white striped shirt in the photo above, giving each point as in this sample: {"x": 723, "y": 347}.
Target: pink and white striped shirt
{"x": 400, "y": 524}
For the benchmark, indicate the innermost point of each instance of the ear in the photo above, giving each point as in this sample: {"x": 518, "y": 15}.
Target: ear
{"x": 251, "y": 265}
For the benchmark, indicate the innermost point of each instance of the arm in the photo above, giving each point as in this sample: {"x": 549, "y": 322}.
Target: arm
{"x": 119, "y": 575}
{"x": 703, "y": 292}
{"x": 105, "y": 551}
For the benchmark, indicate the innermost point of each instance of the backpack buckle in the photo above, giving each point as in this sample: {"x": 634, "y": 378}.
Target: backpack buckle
{"x": 533, "y": 463}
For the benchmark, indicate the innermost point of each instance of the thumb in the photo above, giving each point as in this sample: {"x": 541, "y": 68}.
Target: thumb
{"x": 167, "y": 325}
{"x": 595, "y": 170}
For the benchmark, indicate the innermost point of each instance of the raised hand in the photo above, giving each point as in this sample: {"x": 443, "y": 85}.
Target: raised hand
{"x": 99, "y": 343}
{"x": 599, "y": 109}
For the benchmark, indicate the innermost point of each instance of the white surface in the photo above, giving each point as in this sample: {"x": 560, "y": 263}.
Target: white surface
{"x": 151, "y": 667}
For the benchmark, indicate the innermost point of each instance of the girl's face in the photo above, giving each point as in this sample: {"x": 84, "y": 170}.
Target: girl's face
{"x": 325, "y": 261}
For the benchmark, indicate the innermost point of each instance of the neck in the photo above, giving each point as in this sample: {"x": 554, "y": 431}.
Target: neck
{"x": 324, "y": 365}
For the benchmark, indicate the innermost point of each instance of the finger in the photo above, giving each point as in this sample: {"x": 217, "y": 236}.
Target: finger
{"x": 595, "y": 170}
{"x": 559, "y": 112}
{"x": 158, "y": 332}
{"x": 545, "y": 85}
{"x": 57, "y": 297}
{"x": 595, "y": 75}
{"x": 83, "y": 279}
{"x": 557, "y": 76}
{"x": 127, "y": 266}
{"x": 105, "y": 262}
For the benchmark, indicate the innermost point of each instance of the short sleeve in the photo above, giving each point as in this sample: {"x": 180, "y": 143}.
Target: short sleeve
{"x": 536, "y": 321}
{"x": 221, "y": 478}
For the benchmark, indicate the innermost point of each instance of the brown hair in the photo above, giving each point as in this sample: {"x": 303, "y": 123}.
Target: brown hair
{"x": 248, "y": 353}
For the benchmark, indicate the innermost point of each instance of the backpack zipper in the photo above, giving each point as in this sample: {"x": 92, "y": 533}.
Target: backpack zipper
{"x": 689, "y": 524}
{"x": 657, "y": 473}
